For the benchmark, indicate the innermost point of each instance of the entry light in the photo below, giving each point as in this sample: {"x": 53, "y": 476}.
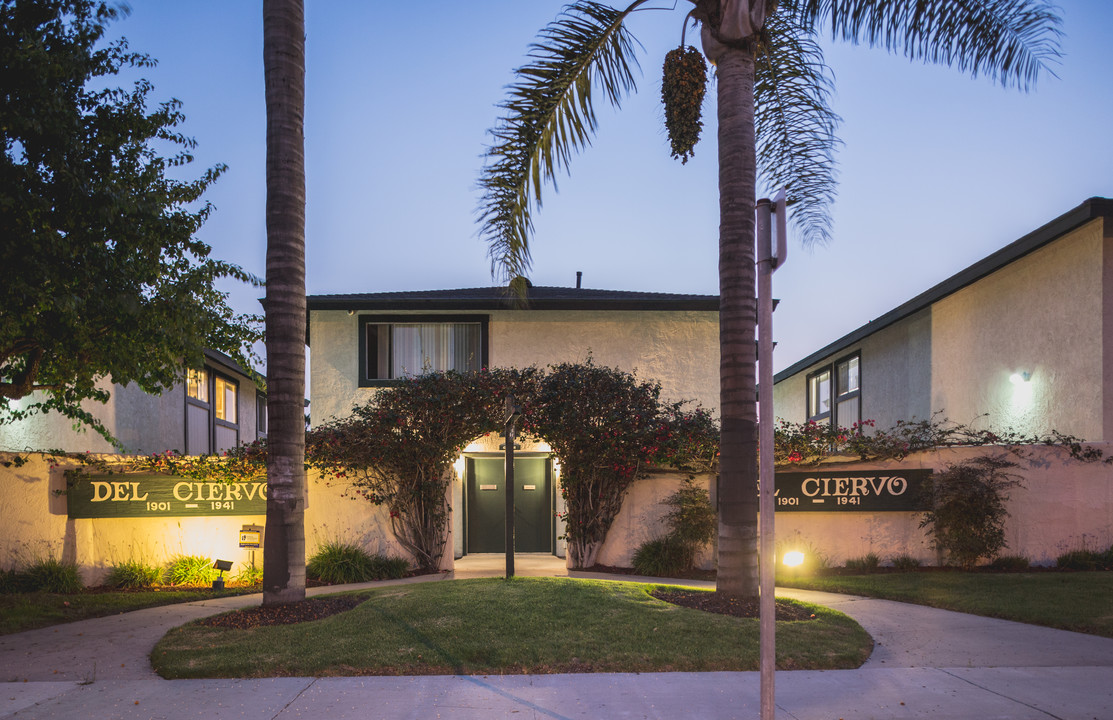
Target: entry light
{"x": 1018, "y": 378}
{"x": 458, "y": 466}
{"x": 795, "y": 558}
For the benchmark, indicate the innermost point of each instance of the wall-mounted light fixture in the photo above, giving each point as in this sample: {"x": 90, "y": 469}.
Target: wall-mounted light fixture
{"x": 1018, "y": 378}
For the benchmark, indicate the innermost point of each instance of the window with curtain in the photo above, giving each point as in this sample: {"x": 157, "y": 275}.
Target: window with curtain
{"x": 397, "y": 349}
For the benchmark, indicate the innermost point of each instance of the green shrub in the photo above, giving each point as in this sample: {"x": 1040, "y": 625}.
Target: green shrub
{"x": 1105, "y": 559}
{"x": 865, "y": 564}
{"x": 249, "y": 575}
{"x": 190, "y": 570}
{"x": 965, "y": 508}
{"x": 339, "y": 563}
{"x": 10, "y": 582}
{"x": 132, "y": 574}
{"x": 389, "y": 568}
{"x": 52, "y": 576}
{"x": 1078, "y": 560}
{"x": 661, "y": 558}
{"x": 905, "y": 563}
{"x": 1011, "y": 563}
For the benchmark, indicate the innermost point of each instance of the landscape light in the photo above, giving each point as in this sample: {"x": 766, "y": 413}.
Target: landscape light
{"x": 794, "y": 558}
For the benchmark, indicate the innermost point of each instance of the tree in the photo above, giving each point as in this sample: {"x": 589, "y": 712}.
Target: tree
{"x": 772, "y": 88}
{"x": 284, "y": 67}
{"x": 103, "y": 274}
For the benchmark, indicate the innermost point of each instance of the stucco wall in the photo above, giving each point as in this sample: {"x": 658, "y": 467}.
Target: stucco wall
{"x": 34, "y": 522}
{"x": 679, "y": 349}
{"x": 1040, "y": 314}
{"x": 1063, "y": 505}
{"x": 642, "y": 519}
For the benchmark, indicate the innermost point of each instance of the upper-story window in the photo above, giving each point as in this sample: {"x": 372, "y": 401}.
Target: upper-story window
{"x": 197, "y": 385}
{"x": 395, "y": 347}
{"x": 224, "y": 392}
{"x": 835, "y": 392}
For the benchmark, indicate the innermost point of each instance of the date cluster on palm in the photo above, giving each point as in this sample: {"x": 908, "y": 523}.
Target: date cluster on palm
{"x": 685, "y": 80}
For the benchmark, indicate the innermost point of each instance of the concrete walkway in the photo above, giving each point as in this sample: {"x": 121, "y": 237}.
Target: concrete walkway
{"x": 926, "y": 664}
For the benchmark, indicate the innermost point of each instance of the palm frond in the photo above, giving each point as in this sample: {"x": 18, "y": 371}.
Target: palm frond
{"x": 549, "y": 116}
{"x": 794, "y": 125}
{"x": 1011, "y": 41}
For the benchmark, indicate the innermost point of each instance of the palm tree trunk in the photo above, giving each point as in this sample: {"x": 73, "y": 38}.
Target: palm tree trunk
{"x": 284, "y": 68}
{"x": 738, "y": 499}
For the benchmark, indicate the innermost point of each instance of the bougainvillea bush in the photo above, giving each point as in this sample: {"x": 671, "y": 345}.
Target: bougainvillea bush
{"x": 604, "y": 425}
{"x": 397, "y": 449}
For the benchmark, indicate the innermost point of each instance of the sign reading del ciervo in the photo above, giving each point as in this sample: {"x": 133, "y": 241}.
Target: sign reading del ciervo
{"x": 853, "y": 490}
{"x": 109, "y": 496}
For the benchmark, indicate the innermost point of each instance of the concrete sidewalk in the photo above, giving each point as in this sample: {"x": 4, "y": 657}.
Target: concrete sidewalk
{"x": 927, "y": 663}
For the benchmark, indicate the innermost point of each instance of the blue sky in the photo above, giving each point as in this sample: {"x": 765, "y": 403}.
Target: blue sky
{"x": 937, "y": 171}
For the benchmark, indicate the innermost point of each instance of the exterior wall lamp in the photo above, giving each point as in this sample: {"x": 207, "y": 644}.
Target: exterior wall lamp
{"x": 1018, "y": 378}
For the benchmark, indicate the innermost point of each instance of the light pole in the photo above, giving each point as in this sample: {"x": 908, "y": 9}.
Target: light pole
{"x": 513, "y": 412}
{"x": 768, "y": 260}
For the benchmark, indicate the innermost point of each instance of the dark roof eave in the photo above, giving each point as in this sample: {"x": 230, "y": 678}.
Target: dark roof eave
{"x": 708, "y": 305}
{"x": 1091, "y": 209}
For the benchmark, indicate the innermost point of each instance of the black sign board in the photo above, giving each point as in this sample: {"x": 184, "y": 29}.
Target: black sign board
{"x": 853, "y": 490}
{"x": 110, "y": 496}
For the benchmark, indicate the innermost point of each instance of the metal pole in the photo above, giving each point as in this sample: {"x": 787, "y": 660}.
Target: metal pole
{"x": 512, "y": 414}
{"x": 767, "y": 263}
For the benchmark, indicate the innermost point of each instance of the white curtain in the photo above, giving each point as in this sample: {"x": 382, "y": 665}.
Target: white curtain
{"x": 434, "y": 347}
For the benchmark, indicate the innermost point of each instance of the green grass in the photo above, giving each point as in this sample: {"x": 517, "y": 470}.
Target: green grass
{"x": 496, "y": 626}
{"x": 28, "y": 611}
{"x": 1077, "y": 601}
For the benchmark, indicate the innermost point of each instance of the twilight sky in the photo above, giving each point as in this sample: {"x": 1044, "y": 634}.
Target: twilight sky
{"x": 937, "y": 171}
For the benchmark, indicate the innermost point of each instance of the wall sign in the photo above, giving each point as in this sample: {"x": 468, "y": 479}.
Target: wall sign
{"x": 853, "y": 490}
{"x": 111, "y": 496}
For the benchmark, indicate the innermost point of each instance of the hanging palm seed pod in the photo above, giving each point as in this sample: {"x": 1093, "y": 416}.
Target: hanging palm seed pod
{"x": 682, "y": 91}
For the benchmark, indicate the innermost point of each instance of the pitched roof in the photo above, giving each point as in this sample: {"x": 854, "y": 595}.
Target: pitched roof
{"x": 1095, "y": 207}
{"x": 496, "y": 298}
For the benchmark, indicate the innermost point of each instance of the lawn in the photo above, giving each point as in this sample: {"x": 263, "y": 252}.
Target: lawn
{"x": 1080, "y": 601}
{"x": 498, "y": 626}
{"x": 28, "y": 611}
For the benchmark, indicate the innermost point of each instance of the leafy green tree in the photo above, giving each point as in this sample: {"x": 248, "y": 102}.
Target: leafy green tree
{"x": 773, "y": 118}
{"x": 284, "y": 69}
{"x": 103, "y": 274}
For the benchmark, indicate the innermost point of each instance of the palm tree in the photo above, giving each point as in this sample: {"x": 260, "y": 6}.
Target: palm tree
{"x": 773, "y": 118}
{"x": 284, "y": 67}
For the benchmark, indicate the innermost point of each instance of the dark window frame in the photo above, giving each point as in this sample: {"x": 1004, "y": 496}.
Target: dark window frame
{"x": 364, "y": 320}
{"x": 819, "y": 417}
{"x": 836, "y": 394}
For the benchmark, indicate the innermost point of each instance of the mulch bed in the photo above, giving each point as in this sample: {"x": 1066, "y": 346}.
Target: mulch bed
{"x": 726, "y": 605}
{"x": 285, "y": 614}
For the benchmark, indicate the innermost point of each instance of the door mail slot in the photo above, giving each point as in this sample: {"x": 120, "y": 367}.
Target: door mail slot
{"x": 488, "y": 487}
{"x": 529, "y": 487}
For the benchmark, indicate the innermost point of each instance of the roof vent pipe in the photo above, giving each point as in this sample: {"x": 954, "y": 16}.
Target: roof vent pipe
{"x": 579, "y": 277}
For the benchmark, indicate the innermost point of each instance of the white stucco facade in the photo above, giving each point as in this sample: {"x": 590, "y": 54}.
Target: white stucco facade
{"x": 678, "y": 349}
{"x": 1042, "y": 314}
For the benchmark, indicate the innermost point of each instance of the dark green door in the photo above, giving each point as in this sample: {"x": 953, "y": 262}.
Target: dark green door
{"x": 487, "y": 505}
